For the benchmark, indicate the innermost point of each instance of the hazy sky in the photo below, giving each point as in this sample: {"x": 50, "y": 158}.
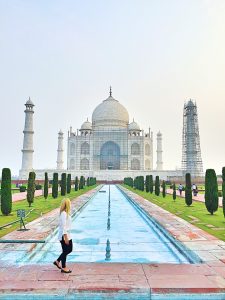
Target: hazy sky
{"x": 155, "y": 54}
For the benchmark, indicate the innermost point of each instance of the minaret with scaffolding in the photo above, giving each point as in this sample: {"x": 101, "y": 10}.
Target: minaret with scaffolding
{"x": 191, "y": 150}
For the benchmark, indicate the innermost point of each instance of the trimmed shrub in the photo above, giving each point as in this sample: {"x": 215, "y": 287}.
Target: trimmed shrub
{"x": 151, "y": 184}
{"x": 164, "y": 189}
{"x": 142, "y": 183}
{"x": 6, "y": 193}
{"x": 55, "y": 185}
{"x": 68, "y": 184}
{"x": 63, "y": 184}
{"x": 76, "y": 184}
{"x": 147, "y": 183}
{"x": 38, "y": 187}
{"x": 46, "y": 186}
{"x": 211, "y": 191}
{"x": 23, "y": 188}
{"x": 157, "y": 186}
{"x": 223, "y": 189}
{"x": 31, "y": 188}
{"x": 174, "y": 192}
{"x": 188, "y": 191}
{"x": 81, "y": 183}
{"x": 139, "y": 183}
{"x": 129, "y": 181}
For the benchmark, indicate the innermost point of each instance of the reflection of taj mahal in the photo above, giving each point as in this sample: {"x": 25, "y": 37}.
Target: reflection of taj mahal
{"x": 110, "y": 142}
{"x": 110, "y": 147}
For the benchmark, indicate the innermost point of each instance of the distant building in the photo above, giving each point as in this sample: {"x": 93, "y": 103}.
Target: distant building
{"x": 108, "y": 148}
{"x": 191, "y": 150}
{"x": 110, "y": 142}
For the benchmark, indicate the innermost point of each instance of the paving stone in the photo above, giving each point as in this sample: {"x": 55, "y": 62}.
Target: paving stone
{"x": 181, "y": 282}
{"x": 168, "y": 269}
{"x": 107, "y": 269}
{"x": 53, "y": 276}
{"x": 219, "y": 270}
{"x": 218, "y": 281}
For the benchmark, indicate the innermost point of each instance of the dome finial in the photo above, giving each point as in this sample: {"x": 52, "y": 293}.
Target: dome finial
{"x": 110, "y": 91}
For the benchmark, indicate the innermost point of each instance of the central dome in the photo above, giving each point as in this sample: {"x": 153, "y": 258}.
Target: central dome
{"x": 110, "y": 113}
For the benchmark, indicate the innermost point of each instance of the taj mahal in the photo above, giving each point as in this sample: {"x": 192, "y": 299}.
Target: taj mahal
{"x": 109, "y": 147}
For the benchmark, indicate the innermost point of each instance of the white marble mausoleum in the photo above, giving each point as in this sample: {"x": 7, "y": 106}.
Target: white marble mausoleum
{"x": 109, "y": 147}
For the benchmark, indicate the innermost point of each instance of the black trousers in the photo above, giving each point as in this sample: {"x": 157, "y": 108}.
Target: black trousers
{"x": 66, "y": 249}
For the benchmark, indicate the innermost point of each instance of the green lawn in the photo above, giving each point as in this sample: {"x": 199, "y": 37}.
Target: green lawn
{"x": 40, "y": 206}
{"x": 196, "y": 210}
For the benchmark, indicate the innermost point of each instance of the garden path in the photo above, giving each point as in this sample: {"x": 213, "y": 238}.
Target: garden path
{"x": 199, "y": 197}
{"x": 23, "y": 195}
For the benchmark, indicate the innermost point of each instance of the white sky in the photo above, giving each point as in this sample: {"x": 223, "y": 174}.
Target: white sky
{"x": 155, "y": 54}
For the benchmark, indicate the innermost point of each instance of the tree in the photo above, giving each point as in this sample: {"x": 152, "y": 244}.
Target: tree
{"x": 55, "y": 185}
{"x": 174, "y": 192}
{"x": 76, "y": 184}
{"x": 147, "y": 183}
{"x": 211, "y": 191}
{"x": 68, "y": 184}
{"x": 63, "y": 184}
{"x": 6, "y": 192}
{"x": 88, "y": 181}
{"x": 142, "y": 183}
{"x": 128, "y": 181}
{"x": 31, "y": 188}
{"x": 151, "y": 184}
{"x": 46, "y": 186}
{"x": 164, "y": 189}
{"x": 157, "y": 186}
{"x": 81, "y": 183}
{"x": 223, "y": 189}
{"x": 188, "y": 191}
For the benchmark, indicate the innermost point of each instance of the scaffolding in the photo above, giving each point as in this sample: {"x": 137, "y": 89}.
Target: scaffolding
{"x": 191, "y": 150}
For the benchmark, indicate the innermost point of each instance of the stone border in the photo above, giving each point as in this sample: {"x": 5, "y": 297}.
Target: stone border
{"x": 210, "y": 249}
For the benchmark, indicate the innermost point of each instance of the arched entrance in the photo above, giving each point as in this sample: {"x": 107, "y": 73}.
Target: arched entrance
{"x": 110, "y": 156}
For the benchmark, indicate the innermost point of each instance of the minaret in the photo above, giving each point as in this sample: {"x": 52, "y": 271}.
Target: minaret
{"x": 60, "y": 151}
{"x": 27, "y": 157}
{"x": 191, "y": 151}
{"x": 159, "y": 163}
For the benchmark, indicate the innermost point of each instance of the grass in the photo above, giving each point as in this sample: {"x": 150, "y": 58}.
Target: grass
{"x": 39, "y": 207}
{"x": 196, "y": 210}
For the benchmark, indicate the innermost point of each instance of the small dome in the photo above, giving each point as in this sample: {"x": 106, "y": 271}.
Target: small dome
{"x": 29, "y": 102}
{"x": 190, "y": 103}
{"x": 110, "y": 113}
{"x": 86, "y": 125}
{"x": 134, "y": 126}
{"x": 60, "y": 132}
{"x": 159, "y": 134}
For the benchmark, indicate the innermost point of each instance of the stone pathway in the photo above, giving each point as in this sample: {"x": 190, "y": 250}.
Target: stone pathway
{"x": 23, "y": 195}
{"x": 199, "y": 197}
{"x": 119, "y": 280}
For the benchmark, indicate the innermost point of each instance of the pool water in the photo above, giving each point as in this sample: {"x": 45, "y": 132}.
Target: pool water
{"x": 132, "y": 235}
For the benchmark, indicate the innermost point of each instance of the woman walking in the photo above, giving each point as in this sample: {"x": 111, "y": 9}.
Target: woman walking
{"x": 64, "y": 235}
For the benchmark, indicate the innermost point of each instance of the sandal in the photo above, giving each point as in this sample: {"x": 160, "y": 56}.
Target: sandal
{"x": 63, "y": 271}
{"x": 55, "y": 263}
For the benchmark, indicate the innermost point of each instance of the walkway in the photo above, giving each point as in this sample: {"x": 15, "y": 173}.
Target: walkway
{"x": 118, "y": 280}
{"x": 23, "y": 195}
{"x": 199, "y": 197}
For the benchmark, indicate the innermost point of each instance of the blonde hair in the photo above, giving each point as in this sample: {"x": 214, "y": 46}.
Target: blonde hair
{"x": 65, "y": 206}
